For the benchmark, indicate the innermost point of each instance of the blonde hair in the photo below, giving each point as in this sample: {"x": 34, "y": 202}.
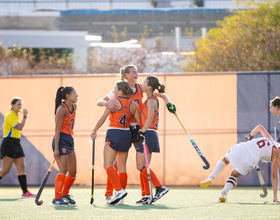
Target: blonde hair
{"x": 126, "y": 70}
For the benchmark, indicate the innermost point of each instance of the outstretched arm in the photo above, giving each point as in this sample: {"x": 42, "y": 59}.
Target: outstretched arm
{"x": 171, "y": 108}
{"x": 105, "y": 102}
{"x": 258, "y": 129}
{"x": 99, "y": 123}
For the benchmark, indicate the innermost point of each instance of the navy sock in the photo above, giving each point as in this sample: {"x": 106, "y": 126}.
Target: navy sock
{"x": 22, "y": 182}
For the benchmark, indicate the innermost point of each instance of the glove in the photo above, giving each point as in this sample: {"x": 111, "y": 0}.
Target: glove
{"x": 141, "y": 137}
{"x": 171, "y": 108}
{"x": 249, "y": 137}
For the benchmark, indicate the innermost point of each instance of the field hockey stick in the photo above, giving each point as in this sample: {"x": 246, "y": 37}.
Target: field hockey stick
{"x": 43, "y": 184}
{"x": 264, "y": 194}
{"x": 92, "y": 173}
{"x": 207, "y": 165}
{"x": 148, "y": 172}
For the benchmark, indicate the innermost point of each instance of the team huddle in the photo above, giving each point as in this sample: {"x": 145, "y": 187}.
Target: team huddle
{"x": 131, "y": 122}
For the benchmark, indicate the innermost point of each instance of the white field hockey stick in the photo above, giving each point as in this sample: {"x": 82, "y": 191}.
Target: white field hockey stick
{"x": 264, "y": 194}
{"x": 150, "y": 200}
{"x": 207, "y": 165}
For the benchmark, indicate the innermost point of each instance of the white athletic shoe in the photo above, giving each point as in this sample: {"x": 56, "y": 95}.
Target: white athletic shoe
{"x": 222, "y": 198}
{"x": 207, "y": 182}
{"x": 118, "y": 196}
{"x": 108, "y": 198}
{"x": 120, "y": 202}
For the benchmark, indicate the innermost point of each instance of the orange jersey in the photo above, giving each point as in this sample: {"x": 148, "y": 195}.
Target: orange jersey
{"x": 68, "y": 120}
{"x": 121, "y": 118}
{"x": 144, "y": 114}
{"x": 137, "y": 97}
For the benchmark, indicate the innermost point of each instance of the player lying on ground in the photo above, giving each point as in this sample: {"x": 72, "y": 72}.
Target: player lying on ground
{"x": 244, "y": 157}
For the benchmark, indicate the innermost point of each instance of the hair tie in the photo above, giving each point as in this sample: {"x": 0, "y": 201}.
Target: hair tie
{"x": 159, "y": 87}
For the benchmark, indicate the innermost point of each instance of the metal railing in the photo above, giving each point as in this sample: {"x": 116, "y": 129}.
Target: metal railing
{"x": 31, "y": 5}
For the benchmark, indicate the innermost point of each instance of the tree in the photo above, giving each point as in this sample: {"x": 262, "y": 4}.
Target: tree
{"x": 245, "y": 41}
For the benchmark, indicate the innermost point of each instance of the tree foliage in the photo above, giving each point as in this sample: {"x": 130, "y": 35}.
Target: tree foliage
{"x": 22, "y": 61}
{"x": 249, "y": 40}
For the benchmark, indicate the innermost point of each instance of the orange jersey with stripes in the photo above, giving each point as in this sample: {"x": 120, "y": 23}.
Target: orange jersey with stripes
{"x": 137, "y": 97}
{"x": 68, "y": 120}
{"x": 121, "y": 118}
{"x": 144, "y": 114}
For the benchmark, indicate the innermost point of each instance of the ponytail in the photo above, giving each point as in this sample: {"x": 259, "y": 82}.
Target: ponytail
{"x": 126, "y": 70}
{"x": 161, "y": 88}
{"x": 61, "y": 94}
{"x": 125, "y": 88}
{"x": 58, "y": 98}
{"x": 154, "y": 83}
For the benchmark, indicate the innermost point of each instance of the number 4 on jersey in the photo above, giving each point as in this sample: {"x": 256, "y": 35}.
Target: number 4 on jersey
{"x": 123, "y": 120}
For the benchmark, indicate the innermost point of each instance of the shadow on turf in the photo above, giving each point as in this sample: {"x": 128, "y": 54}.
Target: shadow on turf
{"x": 65, "y": 207}
{"x": 138, "y": 207}
{"x": 9, "y": 200}
{"x": 264, "y": 203}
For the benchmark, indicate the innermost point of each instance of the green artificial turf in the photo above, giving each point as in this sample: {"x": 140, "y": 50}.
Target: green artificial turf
{"x": 178, "y": 203}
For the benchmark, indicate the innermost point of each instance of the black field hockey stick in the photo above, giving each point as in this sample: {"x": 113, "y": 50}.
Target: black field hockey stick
{"x": 92, "y": 174}
{"x": 43, "y": 184}
{"x": 207, "y": 165}
{"x": 264, "y": 194}
{"x": 150, "y": 200}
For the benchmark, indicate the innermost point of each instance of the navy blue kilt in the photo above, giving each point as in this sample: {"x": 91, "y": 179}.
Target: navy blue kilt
{"x": 151, "y": 138}
{"x": 119, "y": 139}
{"x": 65, "y": 145}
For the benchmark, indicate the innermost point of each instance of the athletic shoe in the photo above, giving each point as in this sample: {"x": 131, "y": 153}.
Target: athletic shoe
{"x": 160, "y": 192}
{"x": 59, "y": 201}
{"x": 222, "y": 198}
{"x": 118, "y": 196}
{"x": 120, "y": 202}
{"x": 143, "y": 200}
{"x": 206, "y": 182}
{"x": 148, "y": 201}
{"x": 28, "y": 195}
{"x": 69, "y": 199}
{"x": 108, "y": 198}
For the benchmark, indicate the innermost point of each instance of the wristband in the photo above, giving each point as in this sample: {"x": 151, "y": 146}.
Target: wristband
{"x": 25, "y": 116}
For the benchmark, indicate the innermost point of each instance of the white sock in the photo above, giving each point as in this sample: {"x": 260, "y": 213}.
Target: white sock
{"x": 229, "y": 184}
{"x": 218, "y": 168}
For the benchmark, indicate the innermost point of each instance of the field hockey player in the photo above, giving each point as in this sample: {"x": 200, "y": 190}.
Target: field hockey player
{"x": 118, "y": 137}
{"x": 147, "y": 133}
{"x": 129, "y": 74}
{"x": 63, "y": 144}
{"x": 244, "y": 157}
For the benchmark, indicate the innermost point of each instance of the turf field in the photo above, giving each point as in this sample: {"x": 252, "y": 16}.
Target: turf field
{"x": 178, "y": 203}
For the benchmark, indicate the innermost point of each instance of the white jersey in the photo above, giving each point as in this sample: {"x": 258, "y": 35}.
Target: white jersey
{"x": 261, "y": 148}
{"x": 246, "y": 155}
